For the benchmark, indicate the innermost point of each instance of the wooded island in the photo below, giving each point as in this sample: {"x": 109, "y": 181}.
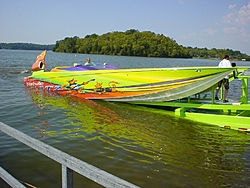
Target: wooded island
{"x": 129, "y": 43}
{"x": 142, "y": 44}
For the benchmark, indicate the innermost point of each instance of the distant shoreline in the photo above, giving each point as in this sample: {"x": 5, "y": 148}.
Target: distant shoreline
{"x": 26, "y": 46}
{"x": 49, "y": 47}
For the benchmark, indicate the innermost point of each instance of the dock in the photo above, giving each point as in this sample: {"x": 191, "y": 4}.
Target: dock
{"x": 231, "y": 115}
{"x": 69, "y": 164}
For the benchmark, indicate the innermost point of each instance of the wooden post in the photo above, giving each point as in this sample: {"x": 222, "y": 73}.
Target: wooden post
{"x": 67, "y": 177}
{"x": 68, "y": 162}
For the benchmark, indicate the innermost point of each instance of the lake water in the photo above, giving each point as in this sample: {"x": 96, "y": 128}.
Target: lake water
{"x": 147, "y": 147}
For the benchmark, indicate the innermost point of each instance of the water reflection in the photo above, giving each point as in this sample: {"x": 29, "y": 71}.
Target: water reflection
{"x": 147, "y": 142}
{"x": 78, "y": 117}
{"x": 144, "y": 146}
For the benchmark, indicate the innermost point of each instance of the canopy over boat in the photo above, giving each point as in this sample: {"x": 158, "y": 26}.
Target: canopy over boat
{"x": 141, "y": 84}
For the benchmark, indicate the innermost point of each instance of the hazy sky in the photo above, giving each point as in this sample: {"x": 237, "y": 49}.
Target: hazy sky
{"x": 195, "y": 23}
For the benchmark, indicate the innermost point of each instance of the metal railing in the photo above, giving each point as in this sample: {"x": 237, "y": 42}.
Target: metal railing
{"x": 69, "y": 164}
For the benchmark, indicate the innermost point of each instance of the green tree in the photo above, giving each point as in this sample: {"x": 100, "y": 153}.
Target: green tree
{"x": 135, "y": 43}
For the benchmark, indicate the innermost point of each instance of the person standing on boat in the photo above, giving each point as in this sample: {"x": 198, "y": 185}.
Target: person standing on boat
{"x": 88, "y": 62}
{"x": 224, "y": 63}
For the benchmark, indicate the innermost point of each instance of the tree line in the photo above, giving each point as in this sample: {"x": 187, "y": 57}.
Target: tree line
{"x": 26, "y": 46}
{"x": 143, "y": 44}
{"x": 128, "y": 43}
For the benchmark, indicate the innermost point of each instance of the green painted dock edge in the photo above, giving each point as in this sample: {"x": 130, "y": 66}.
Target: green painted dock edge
{"x": 235, "y": 116}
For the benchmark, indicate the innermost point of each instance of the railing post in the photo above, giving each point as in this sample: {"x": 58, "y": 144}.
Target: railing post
{"x": 67, "y": 177}
{"x": 244, "y": 88}
{"x": 69, "y": 163}
{"x": 212, "y": 93}
{"x": 9, "y": 179}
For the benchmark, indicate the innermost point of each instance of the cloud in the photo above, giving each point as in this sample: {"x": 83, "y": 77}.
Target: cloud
{"x": 234, "y": 32}
{"x": 231, "y": 30}
{"x": 210, "y": 31}
{"x": 189, "y": 36}
{"x": 228, "y": 18}
{"x": 232, "y": 6}
{"x": 241, "y": 16}
{"x": 199, "y": 35}
{"x": 181, "y": 1}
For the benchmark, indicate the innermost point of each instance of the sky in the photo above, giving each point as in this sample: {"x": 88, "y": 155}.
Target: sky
{"x": 221, "y": 24}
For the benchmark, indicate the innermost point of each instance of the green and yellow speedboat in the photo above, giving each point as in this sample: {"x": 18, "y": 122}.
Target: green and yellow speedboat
{"x": 113, "y": 84}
